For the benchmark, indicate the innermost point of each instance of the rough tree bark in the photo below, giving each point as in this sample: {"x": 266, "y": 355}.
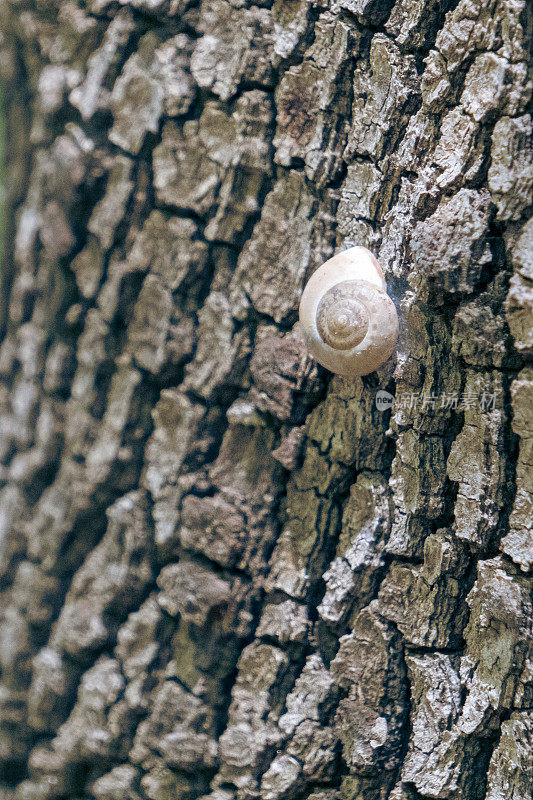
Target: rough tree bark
{"x": 226, "y": 574}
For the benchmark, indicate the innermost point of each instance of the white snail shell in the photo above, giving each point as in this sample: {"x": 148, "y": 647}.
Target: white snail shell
{"x": 348, "y": 319}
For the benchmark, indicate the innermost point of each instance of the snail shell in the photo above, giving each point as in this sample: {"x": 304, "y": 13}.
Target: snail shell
{"x": 348, "y": 319}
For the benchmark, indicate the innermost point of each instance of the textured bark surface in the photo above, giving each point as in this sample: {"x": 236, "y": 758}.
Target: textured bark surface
{"x": 226, "y": 574}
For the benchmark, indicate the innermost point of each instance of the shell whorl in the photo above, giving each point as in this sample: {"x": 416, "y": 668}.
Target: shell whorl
{"x": 348, "y": 319}
{"x": 342, "y": 319}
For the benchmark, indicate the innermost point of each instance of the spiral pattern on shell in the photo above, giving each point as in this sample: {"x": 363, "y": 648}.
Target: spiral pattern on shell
{"x": 342, "y": 319}
{"x": 349, "y": 321}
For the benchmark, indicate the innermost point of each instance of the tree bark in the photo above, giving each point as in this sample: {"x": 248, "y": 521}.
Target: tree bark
{"x": 225, "y": 573}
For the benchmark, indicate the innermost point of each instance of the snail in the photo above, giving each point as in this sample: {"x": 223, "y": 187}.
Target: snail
{"x": 348, "y": 319}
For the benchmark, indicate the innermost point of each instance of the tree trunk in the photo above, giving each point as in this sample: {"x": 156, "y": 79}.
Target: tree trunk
{"x": 226, "y": 573}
